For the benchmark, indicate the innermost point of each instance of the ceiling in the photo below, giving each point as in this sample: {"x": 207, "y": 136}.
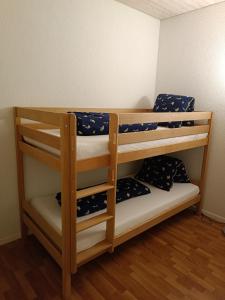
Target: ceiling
{"x": 163, "y": 9}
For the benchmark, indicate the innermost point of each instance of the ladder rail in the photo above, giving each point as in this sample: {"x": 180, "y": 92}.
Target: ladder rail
{"x": 110, "y": 188}
{"x": 112, "y": 178}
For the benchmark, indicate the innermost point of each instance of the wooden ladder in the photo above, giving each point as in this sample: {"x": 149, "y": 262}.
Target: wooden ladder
{"x": 109, "y": 187}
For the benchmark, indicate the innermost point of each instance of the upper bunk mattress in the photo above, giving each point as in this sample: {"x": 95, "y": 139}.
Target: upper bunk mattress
{"x": 130, "y": 213}
{"x": 97, "y": 145}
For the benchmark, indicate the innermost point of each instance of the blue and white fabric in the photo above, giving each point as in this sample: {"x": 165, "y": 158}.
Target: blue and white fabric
{"x": 126, "y": 188}
{"x": 91, "y": 123}
{"x": 162, "y": 171}
{"x": 181, "y": 175}
{"x": 174, "y": 103}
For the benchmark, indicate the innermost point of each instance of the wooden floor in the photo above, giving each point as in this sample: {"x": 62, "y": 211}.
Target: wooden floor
{"x": 182, "y": 258}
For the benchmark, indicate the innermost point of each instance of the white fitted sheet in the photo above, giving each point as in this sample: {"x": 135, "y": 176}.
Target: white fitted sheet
{"x": 129, "y": 213}
{"x": 92, "y": 146}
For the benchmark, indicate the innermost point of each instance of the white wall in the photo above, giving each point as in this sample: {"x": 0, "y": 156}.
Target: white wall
{"x": 93, "y": 53}
{"x": 192, "y": 62}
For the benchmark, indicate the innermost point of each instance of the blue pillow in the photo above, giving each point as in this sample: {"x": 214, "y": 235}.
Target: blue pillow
{"x": 126, "y": 188}
{"x": 162, "y": 171}
{"x": 181, "y": 175}
{"x": 174, "y": 103}
{"x": 92, "y": 123}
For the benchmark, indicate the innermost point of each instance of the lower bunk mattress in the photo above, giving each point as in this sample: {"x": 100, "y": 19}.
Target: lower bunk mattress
{"x": 97, "y": 145}
{"x": 129, "y": 214}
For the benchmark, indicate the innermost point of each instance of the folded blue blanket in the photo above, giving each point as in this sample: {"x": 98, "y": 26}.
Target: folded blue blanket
{"x": 91, "y": 123}
{"x": 162, "y": 171}
{"x": 126, "y": 188}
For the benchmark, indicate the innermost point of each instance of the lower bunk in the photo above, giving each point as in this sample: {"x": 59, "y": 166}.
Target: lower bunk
{"x": 132, "y": 216}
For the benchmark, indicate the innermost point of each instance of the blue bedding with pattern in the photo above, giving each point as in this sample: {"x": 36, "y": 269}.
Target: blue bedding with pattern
{"x": 126, "y": 188}
{"x": 91, "y": 123}
{"x": 174, "y": 103}
{"x": 162, "y": 171}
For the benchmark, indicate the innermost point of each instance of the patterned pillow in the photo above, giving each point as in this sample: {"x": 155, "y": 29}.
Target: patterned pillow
{"x": 92, "y": 123}
{"x": 162, "y": 171}
{"x": 181, "y": 175}
{"x": 126, "y": 188}
{"x": 174, "y": 103}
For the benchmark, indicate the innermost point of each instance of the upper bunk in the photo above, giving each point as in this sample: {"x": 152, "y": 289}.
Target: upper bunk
{"x": 43, "y": 137}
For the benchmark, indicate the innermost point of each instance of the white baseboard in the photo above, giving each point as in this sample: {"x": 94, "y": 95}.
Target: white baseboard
{"x": 9, "y": 239}
{"x": 213, "y": 216}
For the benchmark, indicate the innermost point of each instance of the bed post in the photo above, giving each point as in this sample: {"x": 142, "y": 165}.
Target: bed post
{"x": 20, "y": 173}
{"x": 66, "y": 206}
{"x": 112, "y": 178}
{"x": 73, "y": 196}
{"x": 204, "y": 169}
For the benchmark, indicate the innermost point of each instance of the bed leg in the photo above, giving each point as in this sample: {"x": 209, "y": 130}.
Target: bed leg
{"x": 204, "y": 171}
{"x": 66, "y": 285}
{"x": 66, "y": 189}
{"x": 20, "y": 175}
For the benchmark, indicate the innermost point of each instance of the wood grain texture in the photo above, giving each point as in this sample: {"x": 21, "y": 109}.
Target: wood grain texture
{"x": 87, "y": 109}
{"x": 41, "y": 115}
{"x": 152, "y": 135}
{"x": 112, "y": 177}
{"x": 124, "y": 157}
{"x": 94, "y": 190}
{"x": 135, "y": 118}
{"x": 20, "y": 173}
{"x": 73, "y": 190}
{"x": 43, "y": 137}
{"x": 204, "y": 167}
{"x": 66, "y": 189}
{"x": 93, "y": 221}
{"x": 182, "y": 258}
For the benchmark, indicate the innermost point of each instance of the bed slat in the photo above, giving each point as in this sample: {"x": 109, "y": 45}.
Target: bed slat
{"x": 93, "y": 221}
{"x": 93, "y": 163}
{"x": 152, "y": 135}
{"x": 43, "y": 137}
{"x": 162, "y": 117}
{"x": 94, "y": 190}
{"x": 141, "y": 154}
{"x": 41, "y": 155}
{"x": 39, "y": 115}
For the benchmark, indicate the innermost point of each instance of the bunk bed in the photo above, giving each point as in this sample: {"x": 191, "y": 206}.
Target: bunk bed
{"x": 51, "y": 137}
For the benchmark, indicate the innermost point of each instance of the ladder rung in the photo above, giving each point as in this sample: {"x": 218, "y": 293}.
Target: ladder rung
{"x": 98, "y": 249}
{"x": 94, "y": 190}
{"x": 93, "y": 221}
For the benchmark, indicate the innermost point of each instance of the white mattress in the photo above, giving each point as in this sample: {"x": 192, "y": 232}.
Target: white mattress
{"x": 92, "y": 146}
{"x": 129, "y": 213}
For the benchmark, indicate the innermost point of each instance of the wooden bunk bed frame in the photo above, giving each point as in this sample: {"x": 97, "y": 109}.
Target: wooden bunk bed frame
{"x": 63, "y": 247}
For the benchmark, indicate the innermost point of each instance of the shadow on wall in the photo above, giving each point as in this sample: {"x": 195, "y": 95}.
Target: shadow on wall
{"x": 146, "y": 102}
